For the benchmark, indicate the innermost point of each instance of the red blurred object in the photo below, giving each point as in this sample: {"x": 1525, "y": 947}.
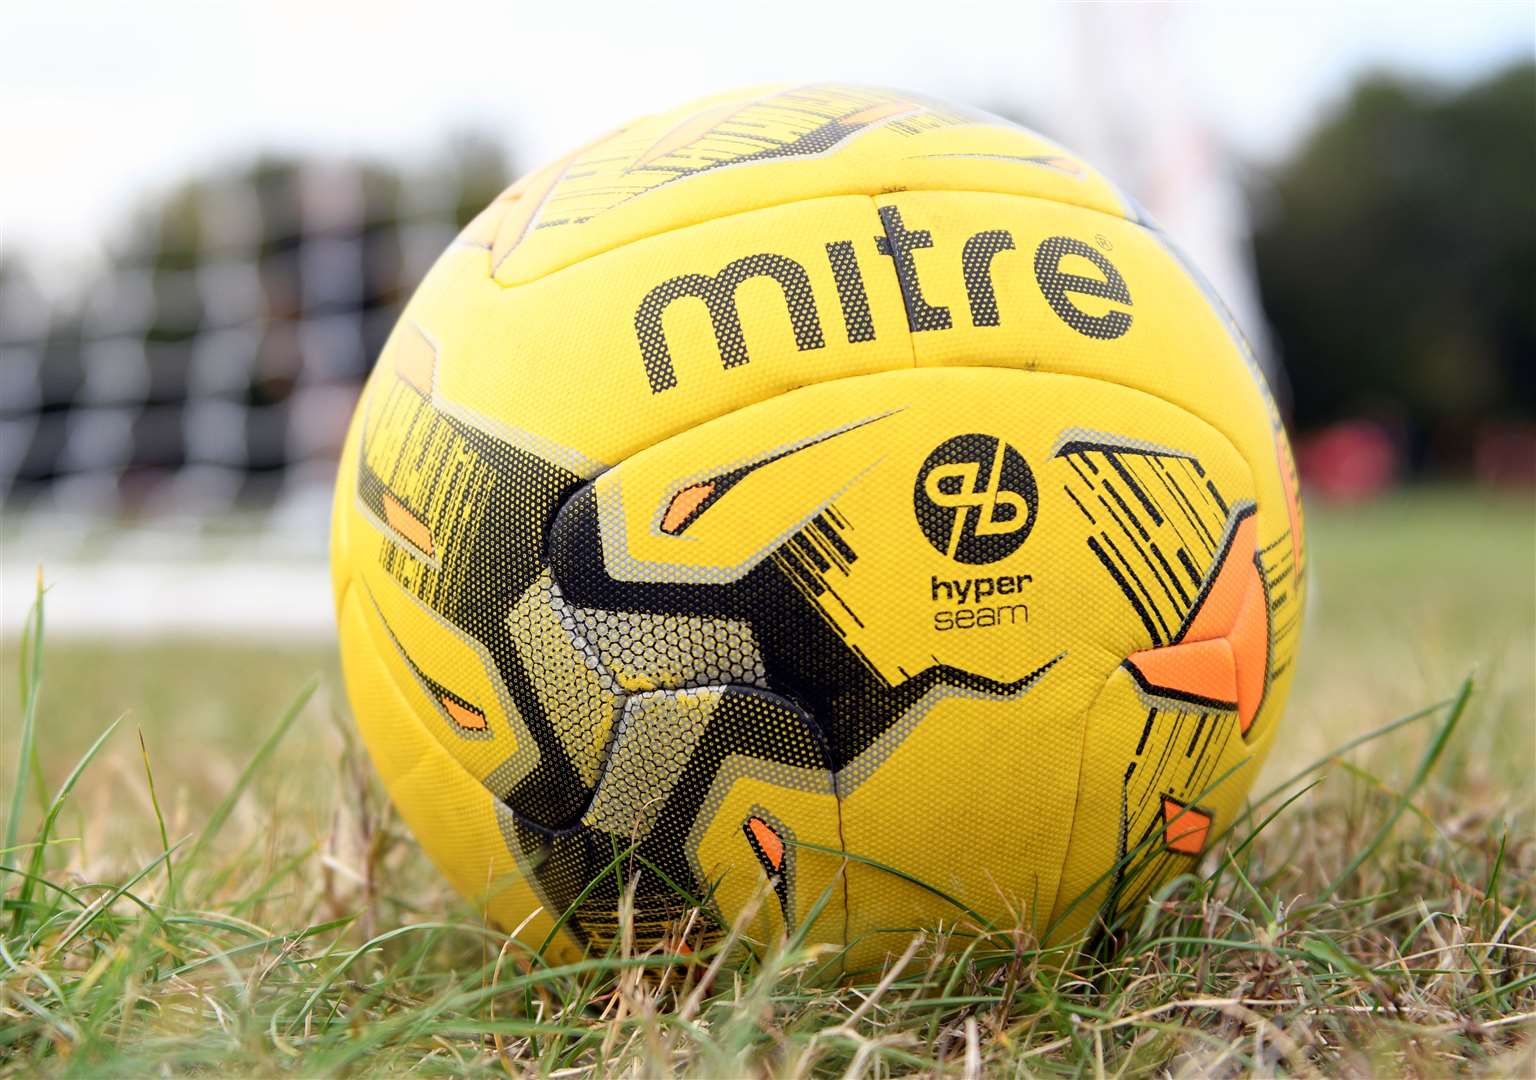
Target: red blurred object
{"x": 1505, "y": 456}
{"x": 1349, "y": 461}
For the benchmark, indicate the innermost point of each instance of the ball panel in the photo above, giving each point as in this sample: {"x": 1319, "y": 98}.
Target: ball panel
{"x": 1177, "y": 735}
{"x": 809, "y": 878}
{"x": 450, "y": 681}
{"x": 716, "y": 313}
{"x": 460, "y": 824}
{"x": 762, "y": 147}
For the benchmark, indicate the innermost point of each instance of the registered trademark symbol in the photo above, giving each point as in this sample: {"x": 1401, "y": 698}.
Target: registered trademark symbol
{"x": 1103, "y": 241}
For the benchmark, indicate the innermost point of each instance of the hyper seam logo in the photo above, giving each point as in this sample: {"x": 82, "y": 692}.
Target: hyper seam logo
{"x": 975, "y": 499}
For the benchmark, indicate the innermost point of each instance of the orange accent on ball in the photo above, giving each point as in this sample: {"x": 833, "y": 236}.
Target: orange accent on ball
{"x": 681, "y": 509}
{"x": 1185, "y": 829}
{"x": 768, "y": 840}
{"x": 463, "y": 715}
{"x": 1223, "y": 654}
{"x": 407, "y": 524}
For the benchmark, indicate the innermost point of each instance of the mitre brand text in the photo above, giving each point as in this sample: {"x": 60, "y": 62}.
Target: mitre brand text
{"x": 899, "y": 242}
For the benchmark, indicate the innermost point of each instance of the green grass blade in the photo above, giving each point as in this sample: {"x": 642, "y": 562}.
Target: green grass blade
{"x": 350, "y": 958}
{"x": 105, "y": 905}
{"x": 1269, "y": 818}
{"x": 165, "y": 839}
{"x": 226, "y": 806}
{"x": 575, "y": 905}
{"x": 1127, "y": 865}
{"x": 1426, "y": 765}
{"x": 1333, "y": 755}
{"x": 875, "y": 864}
{"x": 35, "y": 868}
{"x": 30, "y": 679}
{"x": 813, "y": 915}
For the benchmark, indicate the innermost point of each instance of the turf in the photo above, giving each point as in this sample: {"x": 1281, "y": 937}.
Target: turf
{"x": 201, "y": 874}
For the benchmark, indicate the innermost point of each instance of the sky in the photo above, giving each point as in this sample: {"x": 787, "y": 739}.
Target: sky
{"x": 104, "y": 102}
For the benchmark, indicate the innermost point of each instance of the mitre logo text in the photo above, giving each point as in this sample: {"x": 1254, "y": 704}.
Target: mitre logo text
{"x": 898, "y": 243}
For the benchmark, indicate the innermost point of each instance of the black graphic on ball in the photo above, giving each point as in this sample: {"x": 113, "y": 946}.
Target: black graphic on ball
{"x": 975, "y": 498}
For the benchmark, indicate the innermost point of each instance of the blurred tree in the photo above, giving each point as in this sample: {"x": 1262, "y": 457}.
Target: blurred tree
{"x": 1397, "y": 257}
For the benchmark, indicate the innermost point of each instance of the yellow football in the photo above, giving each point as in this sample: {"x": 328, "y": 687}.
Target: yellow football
{"x": 842, "y": 510}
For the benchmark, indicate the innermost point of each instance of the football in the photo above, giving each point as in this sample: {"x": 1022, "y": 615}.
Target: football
{"x": 832, "y": 509}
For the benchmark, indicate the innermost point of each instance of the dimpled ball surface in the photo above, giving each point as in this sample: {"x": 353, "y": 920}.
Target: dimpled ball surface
{"x": 816, "y": 470}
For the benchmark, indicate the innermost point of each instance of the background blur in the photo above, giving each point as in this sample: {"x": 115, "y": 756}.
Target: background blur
{"x": 212, "y": 214}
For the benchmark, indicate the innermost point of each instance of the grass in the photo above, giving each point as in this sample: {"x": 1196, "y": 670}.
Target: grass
{"x": 200, "y": 874}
